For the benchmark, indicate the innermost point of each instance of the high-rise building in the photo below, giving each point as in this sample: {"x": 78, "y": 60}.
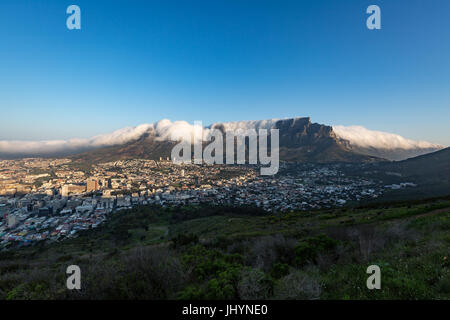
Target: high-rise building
{"x": 106, "y": 183}
{"x": 12, "y": 220}
{"x": 3, "y": 208}
{"x": 92, "y": 185}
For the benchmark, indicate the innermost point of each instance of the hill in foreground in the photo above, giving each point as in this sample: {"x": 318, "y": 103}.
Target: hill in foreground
{"x": 243, "y": 253}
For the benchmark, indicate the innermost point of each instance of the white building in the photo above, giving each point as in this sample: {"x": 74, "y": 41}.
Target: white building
{"x": 12, "y": 220}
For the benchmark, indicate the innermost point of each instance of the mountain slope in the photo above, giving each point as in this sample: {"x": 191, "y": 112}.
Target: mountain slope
{"x": 300, "y": 140}
{"x": 430, "y": 173}
{"x": 146, "y": 147}
{"x": 430, "y": 167}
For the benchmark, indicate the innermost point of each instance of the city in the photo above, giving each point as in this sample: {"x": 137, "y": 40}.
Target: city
{"x": 53, "y": 199}
{"x": 224, "y": 158}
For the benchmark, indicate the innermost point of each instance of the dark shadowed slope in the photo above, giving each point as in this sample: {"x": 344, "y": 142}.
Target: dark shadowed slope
{"x": 430, "y": 167}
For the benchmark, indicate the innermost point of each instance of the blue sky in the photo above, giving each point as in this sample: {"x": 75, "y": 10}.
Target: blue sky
{"x": 137, "y": 62}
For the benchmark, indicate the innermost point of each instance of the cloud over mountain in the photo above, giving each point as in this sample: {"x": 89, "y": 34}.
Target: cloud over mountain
{"x": 73, "y": 145}
{"x": 383, "y": 144}
{"x": 374, "y": 143}
{"x": 363, "y": 137}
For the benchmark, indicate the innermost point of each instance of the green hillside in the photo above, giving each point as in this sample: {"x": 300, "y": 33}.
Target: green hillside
{"x": 243, "y": 253}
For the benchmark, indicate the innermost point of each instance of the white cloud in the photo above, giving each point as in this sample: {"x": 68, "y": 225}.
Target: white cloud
{"x": 164, "y": 129}
{"x": 244, "y": 125}
{"x": 362, "y": 137}
{"x": 72, "y": 145}
{"x": 174, "y": 131}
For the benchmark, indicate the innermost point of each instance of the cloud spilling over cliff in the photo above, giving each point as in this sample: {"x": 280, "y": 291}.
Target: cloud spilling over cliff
{"x": 120, "y": 136}
{"x": 163, "y": 129}
{"x": 245, "y": 125}
{"x": 361, "y": 139}
{"x": 383, "y": 144}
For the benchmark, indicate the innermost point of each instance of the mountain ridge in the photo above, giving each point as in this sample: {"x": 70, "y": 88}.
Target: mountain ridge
{"x": 300, "y": 140}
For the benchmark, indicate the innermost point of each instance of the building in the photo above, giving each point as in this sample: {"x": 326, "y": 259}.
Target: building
{"x": 45, "y": 211}
{"x": 106, "y": 183}
{"x": 92, "y": 185}
{"x": 3, "y": 208}
{"x": 12, "y": 221}
{"x": 69, "y": 189}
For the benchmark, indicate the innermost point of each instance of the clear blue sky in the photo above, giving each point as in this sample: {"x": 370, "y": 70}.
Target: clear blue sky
{"x": 140, "y": 61}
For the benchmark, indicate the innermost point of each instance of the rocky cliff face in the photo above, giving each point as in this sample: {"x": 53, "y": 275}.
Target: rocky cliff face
{"x": 300, "y": 140}
{"x": 304, "y": 141}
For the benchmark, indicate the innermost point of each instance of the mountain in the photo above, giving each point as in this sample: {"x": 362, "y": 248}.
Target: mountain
{"x": 430, "y": 173}
{"x": 300, "y": 140}
{"x": 429, "y": 168}
{"x": 148, "y": 146}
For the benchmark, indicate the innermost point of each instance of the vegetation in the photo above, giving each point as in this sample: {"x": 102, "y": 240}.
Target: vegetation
{"x": 243, "y": 253}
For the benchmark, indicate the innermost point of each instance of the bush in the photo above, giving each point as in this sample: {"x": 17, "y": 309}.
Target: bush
{"x": 349, "y": 281}
{"x": 206, "y": 263}
{"x": 254, "y": 284}
{"x": 221, "y": 287}
{"x": 192, "y": 292}
{"x": 279, "y": 270}
{"x": 308, "y": 249}
{"x": 182, "y": 240}
{"x": 144, "y": 273}
{"x": 444, "y": 285}
{"x": 297, "y": 286}
{"x": 218, "y": 272}
{"x": 265, "y": 251}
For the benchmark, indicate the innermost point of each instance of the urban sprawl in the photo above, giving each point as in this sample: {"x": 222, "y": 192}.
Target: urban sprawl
{"x": 53, "y": 199}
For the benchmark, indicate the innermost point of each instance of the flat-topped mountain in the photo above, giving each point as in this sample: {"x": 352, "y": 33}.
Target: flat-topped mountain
{"x": 300, "y": 140}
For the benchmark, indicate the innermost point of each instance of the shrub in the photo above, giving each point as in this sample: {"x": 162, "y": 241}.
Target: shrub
{"x": 192, "y": 292}
{"x": 297, "y": 286}
{"x": 279, "y": 270}
{"x": 265, "y": 251}
{"x": 254, "y": 284}
{"x": 444, "y": 285}
{"x": 208, "y": 263}
{"x": 220, "y": 287}
{"x": 223, "y": 286}
{"x": 143, "y": 273}
{"x": 184, "y": 239}
{"x": 308, "y": 249}
{"x": 218, "y": 271}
